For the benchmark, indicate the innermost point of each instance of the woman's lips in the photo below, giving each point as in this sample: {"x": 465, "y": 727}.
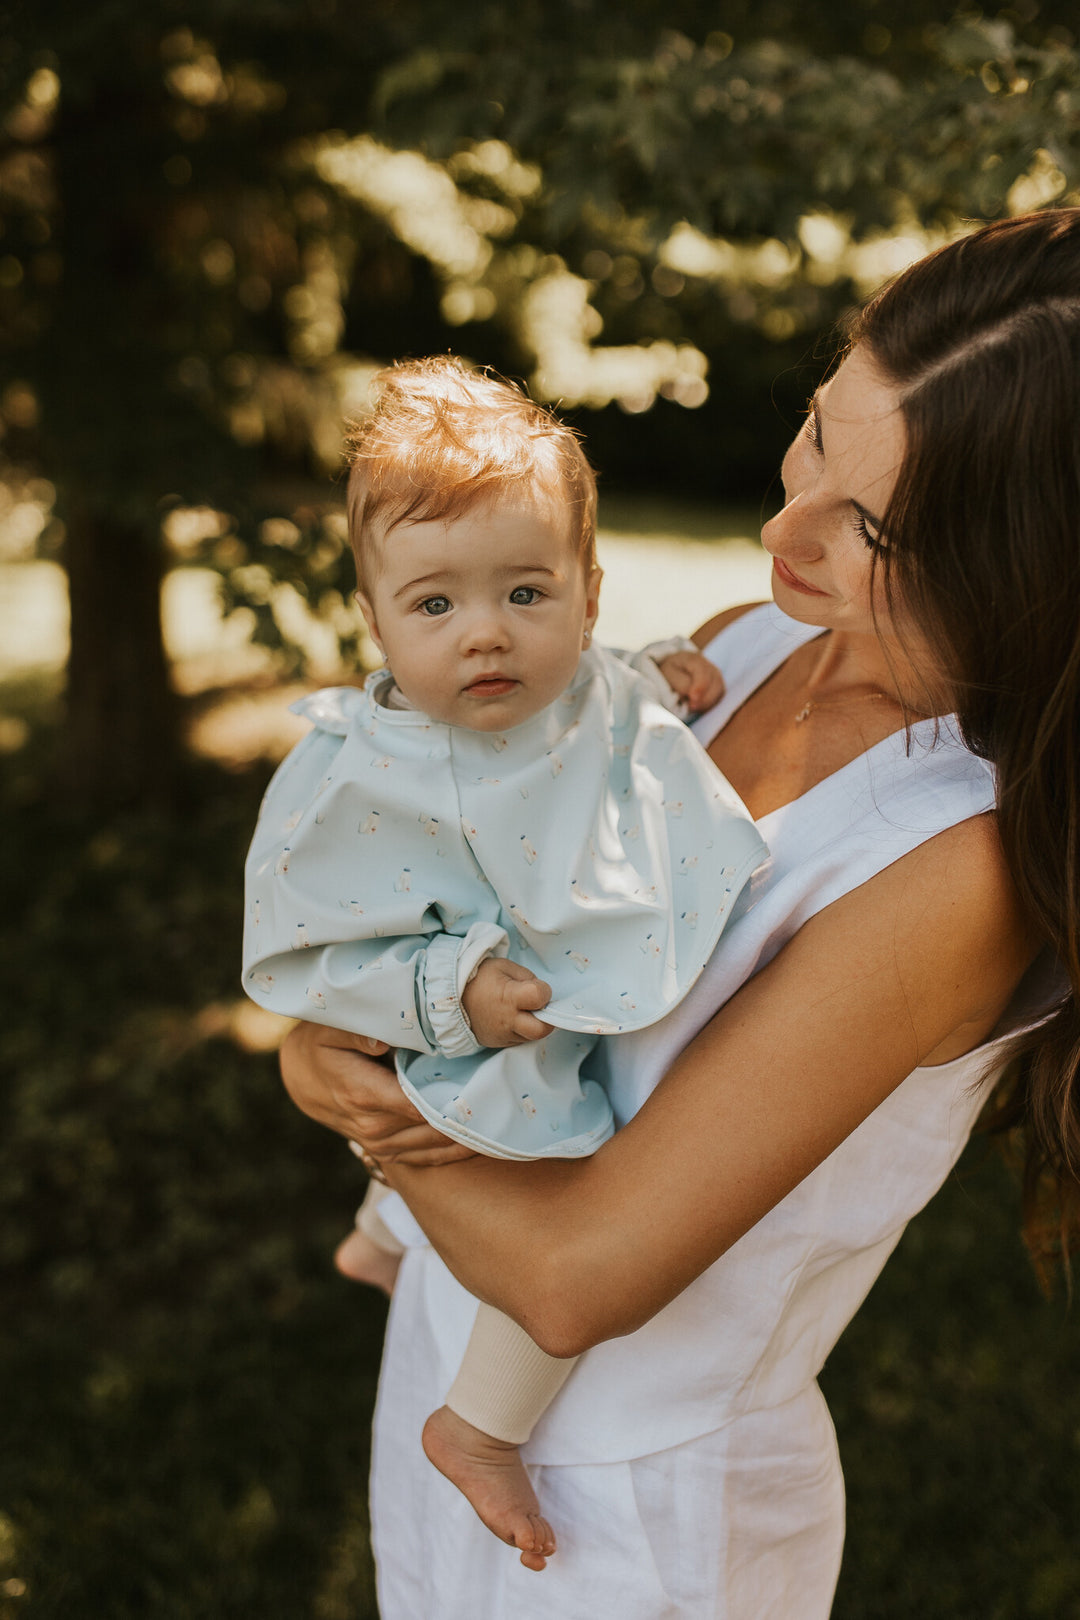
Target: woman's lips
{"x": 491, "y": 686}
{"x": 784, "y": 574}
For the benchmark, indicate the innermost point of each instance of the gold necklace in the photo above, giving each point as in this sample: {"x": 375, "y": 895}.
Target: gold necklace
{"x": 812, "y": 704}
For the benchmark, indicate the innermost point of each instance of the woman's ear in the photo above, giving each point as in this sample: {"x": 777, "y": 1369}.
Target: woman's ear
{"x": 364, "y": 604}
{"x": 592, "y": 603}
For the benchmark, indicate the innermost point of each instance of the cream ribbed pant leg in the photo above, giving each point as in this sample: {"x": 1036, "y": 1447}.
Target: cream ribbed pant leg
{"x": 505, "y": 1382}
{"x": 368, "y": 1220}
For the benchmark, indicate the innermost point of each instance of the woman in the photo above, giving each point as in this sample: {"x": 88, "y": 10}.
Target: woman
{"x": 821, "y": 1080}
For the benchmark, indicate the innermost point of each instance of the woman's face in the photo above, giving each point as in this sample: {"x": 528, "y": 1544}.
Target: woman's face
{"x": 838, "y": 478}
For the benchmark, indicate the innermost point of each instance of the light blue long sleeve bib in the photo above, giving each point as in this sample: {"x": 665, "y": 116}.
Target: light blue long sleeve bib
{"x": 596, "y": 844}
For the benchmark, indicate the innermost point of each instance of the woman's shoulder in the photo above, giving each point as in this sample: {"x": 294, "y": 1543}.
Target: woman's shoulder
{"x": 720, "y": 621}
{"x": 960, "y": 937}
{"x": 964, "y": 861}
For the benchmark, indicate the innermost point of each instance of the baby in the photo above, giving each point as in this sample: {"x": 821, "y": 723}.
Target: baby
{"x": 504, "y": 820}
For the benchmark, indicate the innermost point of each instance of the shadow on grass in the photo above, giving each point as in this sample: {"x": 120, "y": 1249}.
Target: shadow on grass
{"x": 187, "y": 1385}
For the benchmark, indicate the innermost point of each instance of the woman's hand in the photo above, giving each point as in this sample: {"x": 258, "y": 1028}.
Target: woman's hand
{"x": 335, "y": 1078}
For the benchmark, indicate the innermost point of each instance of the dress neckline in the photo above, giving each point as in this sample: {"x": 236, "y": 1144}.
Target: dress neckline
{"x": 774, "y": 640}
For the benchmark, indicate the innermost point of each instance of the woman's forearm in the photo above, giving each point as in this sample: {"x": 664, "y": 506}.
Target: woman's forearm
{"x": 512, "y": 1234}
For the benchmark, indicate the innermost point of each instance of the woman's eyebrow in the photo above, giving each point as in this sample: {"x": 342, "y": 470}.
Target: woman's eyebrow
{"x": 815, "y": 425}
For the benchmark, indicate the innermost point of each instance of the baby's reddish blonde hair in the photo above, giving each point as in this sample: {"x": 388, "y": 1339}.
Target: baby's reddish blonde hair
{"x": 443, "y": 438}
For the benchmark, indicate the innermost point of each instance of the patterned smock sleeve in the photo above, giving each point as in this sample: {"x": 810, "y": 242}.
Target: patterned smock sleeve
{"x": 344, "y": 925}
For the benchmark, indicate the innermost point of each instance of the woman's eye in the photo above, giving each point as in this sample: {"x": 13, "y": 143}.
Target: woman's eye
{"x": 869, "y": 539}
{"x": 434, "y": 606}
{"x": 524, "y": 595}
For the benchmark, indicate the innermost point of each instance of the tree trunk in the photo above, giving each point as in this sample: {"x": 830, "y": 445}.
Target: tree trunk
{"x": 108, "y": 442}
{"x": 120, "y": 743}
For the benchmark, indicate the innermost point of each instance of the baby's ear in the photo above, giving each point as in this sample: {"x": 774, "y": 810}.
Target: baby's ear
{"x": 592, "y": 596}
{"x": 364, "y": 604}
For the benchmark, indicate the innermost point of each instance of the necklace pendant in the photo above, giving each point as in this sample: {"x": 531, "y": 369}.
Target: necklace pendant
{"x": 804, "y": 713}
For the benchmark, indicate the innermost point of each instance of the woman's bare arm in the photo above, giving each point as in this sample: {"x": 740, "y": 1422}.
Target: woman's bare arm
{"x": 914, "y": 966}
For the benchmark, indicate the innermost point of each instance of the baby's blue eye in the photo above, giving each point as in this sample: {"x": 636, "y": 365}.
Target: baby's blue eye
{"x": 524, "y": 595}
{"x": 433, "y": 606}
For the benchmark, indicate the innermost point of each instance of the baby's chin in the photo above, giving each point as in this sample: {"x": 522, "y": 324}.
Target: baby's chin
{"x": 491, "y": 714}
{"x": 499, "y": 717}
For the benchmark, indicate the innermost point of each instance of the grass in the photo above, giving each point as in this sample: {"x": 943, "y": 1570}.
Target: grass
{"x": 956, "y": 1397}
{"x": 187, "y": 1385}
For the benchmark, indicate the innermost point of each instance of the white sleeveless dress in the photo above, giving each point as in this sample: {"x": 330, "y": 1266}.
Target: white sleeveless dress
{"x": 690, "y": 1468}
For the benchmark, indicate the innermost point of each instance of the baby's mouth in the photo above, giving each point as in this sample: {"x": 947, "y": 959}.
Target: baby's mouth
{"x": 491, "y": 686}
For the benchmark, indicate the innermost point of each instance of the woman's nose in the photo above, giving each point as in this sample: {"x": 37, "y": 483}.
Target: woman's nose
{"x": 795, "y": 531}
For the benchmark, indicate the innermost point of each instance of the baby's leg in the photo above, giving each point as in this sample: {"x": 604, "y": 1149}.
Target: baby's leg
{"x": 503, "y": 1386}
{"x": 371, "y": 1253}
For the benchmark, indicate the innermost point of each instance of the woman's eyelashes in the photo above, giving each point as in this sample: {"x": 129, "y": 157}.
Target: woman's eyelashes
{"x": 872, "y": 541}
{"x": 813, "y": 425}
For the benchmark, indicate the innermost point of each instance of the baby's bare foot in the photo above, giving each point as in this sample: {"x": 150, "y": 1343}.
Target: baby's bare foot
{"x": 491, "y": 1475}
{"x": 361, "y": 1260}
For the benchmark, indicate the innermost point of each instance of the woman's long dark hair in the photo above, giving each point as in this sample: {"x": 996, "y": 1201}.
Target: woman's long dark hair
{"x": 982, "y": 339}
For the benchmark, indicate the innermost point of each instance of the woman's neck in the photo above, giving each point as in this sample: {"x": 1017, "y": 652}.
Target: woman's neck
{"x": 830, "y": 700}
{"x": 842, "y": 664}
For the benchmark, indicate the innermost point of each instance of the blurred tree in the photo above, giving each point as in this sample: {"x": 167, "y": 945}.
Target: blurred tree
{"x": 217, "y": 213}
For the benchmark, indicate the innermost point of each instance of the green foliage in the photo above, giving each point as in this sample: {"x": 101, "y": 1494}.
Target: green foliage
{"x": 189, "y": 288}
{"x": 164, "y": 220}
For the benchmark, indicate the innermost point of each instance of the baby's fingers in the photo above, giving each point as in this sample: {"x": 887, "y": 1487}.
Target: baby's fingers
{"x": 531, "y": 994}
{"x": 708, "y": 688}
{"x": 528, "y": 1028}
{"x": 678, "y": 670}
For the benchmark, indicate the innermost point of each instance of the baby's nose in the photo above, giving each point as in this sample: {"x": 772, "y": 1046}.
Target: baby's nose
{"x": 486, "y": 632}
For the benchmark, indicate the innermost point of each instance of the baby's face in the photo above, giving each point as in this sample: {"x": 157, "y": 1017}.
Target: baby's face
{"x": 482, "y": 617}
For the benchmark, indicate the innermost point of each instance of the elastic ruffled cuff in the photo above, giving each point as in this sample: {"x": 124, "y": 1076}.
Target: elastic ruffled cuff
{"x": 449, "y": 964}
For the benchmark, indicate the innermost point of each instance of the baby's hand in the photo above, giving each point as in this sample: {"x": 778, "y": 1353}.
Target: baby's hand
{"x": 500, "y": 1000}
{"x": 694, "y": 678}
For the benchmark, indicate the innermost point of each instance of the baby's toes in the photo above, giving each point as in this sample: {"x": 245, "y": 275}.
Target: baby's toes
{"x": 543, "y": 1543}
{"x": 535, "y": 1535}
{"x": 545, "y": 1536}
